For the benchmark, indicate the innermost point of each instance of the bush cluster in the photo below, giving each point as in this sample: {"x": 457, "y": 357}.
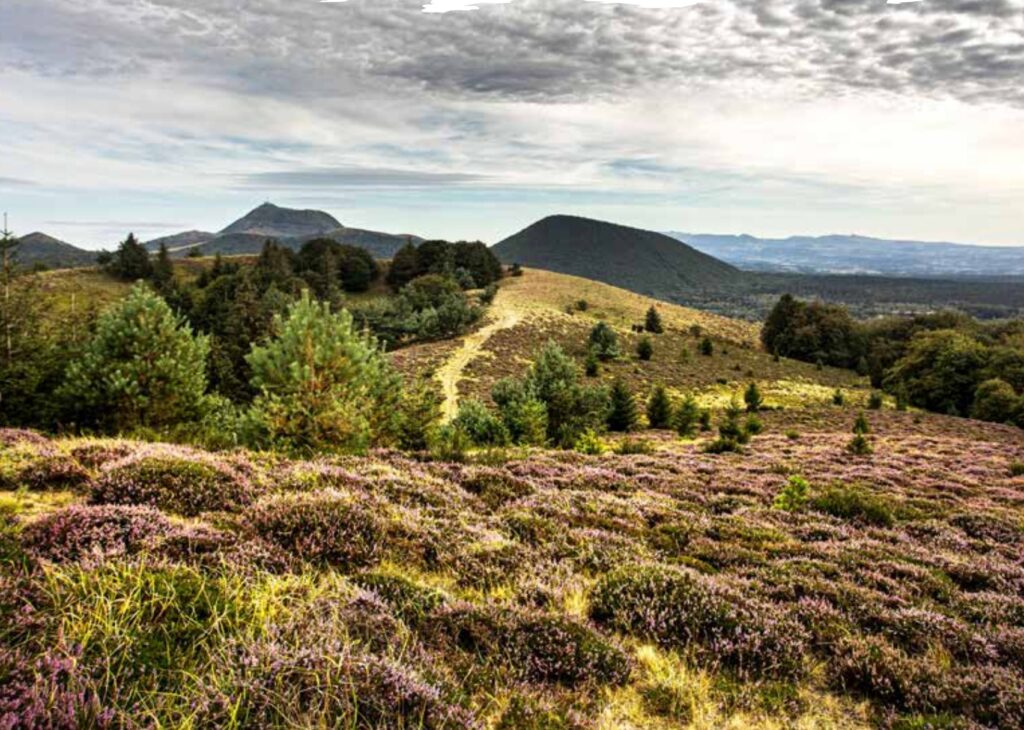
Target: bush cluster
{"x": 86, "y": 531}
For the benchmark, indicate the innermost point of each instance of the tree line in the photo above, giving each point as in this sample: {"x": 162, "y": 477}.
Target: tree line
{"x": 945, "y": 361}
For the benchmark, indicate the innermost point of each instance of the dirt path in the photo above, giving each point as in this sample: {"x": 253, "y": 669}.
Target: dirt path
{"x": 451, "y": 372}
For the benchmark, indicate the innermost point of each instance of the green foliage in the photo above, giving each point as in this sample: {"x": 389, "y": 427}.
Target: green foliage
{"x": 591, "y": 366}
{"x": 631, "y": 446}
{"x": 659, "y": 408}
{"x": 849, "y": 503}
{"x": 474, "y": 265}
{"x": 623, "y": 414}
{"x": 731, "y": 435}
{"x": 645, "y": 349}
{"x": 652, "y": 322}
{"x": 996, "y": 401}
{"x": 449, "y": 443}
{"x": 420, "y": 411}
{"x": 941, "y": 371}
{"x": 142, "y": 368}
{"x": 875, "y": 401}
{"x": 686, "y": 418}
{"x": 404, "y": 267}
{"x": 488, "y": 294}
{"x": 812, "y": 331}
{"x": 705, "y": 419}
{"x": 604, "y": 342}
{"x": 794, "y": 496}
{"x": 131, "y": 261}
{"x": 752, "y": 397}
{"x": 1017, "y": 468}
{"x": 524, "y": 414}
{"x": 707, "y": 347}
{"x": 480, "y": 424}
{"x": 753, "y": 425}
{"x": 572, "y": 408}
{"x": 322, "y": 386}
{"x": 163, "y": 271}
{"x": 838, "y": 398}
{"x": 860, "y": 445}
{"x": 328, "y": 266}
{"x": 589, "y": 442}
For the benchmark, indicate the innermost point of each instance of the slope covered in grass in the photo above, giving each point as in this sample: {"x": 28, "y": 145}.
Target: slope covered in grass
{"x": 554, "y": 591}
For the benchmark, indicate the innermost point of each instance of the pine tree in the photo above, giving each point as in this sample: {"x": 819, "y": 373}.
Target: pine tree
{"x": 659, "y": 408}
{"x": 687, "y": 418}
{"x": 861, "y": 425}
{"x": 163, "y": 271}
{"x": 644, "y": 349}
{"x": 604, "y": 342}
{"x": 590, "y": 365}
{"x": 707, "y": 347}
{"x": 143, "y": 367}
{"x": 323, "y": 386}
{"x": 131, "y": 260}
{"x": 623, "y": 415}
{"x": 404, "y": 266}
{"x": 752, "y": 397}
{"x": 652, "y": 323}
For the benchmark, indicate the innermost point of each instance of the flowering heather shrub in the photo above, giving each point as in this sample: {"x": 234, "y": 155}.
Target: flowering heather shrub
{"x": 272, "y": 684}
{"x": 850, "y": 503}
{"x": 48, "y": 693}
{"x": 10, "y": 437}
{"x": 496, "y": 487}
{"x": 86, "y": 531}
{"x": 524, "y": 713}
{"x": 55, "y": 473}
{"x": 179, "y": 482}
{"x": 327, "y": 527}
{"x": 679, "y": 608}
{"x": 531, "y": 646}
{"x": 96, "y": 454}
{"x": 409, "y": 601}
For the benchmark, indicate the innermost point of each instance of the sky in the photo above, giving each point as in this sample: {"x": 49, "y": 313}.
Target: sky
{"x": 459, "y": 119}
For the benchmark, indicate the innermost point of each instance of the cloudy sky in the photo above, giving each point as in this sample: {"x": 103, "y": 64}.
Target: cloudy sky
{"x": 471, "y": 119}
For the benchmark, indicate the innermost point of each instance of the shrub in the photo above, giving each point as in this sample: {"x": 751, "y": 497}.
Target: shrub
{"x": 185, "y": 484}
{"x": 325, "y": 527}
{"x": 623, "y": 415}
{"x": 604, "y": 342}
{"x": 83, "y": 531}
{"x": 705, "y": 420}
{"x": 589, "y": 443}
{"x": 449, "y": 443}
{"x": 489, "y": 293}
{"x": 420, "y": 410}
{"x": 645, "y": 349}
{"x": 752, "y": 397}
{"x": 753, "y": 425}
{"x": 1017, "y": 468}
{"x": 875, "y": 401}
{"x": 322, "y": 385}
{"x": 861, "y": 425}
{"x": 652, "y": 322}
{"x": 686, "y": 418}
{"x": 678, "y": 608}
{"x": 591, "y": 366}
{"x": 496, "y": 487}
{"x": 57, "y": 473}
{"x": 659, "y": 408}
{"x": 410, "y": 602}
{"x": 631, "y": 446}
{"x": 482, "y": 426}
{"x": 854, "y": 504}
{"x": 523, "y": 413}
{"x": 142, "y": 368}
{"x": 996, "y": 401}
{"x": 794, "y": 495}
{"x": 531, "y": 647}
{"x": 707, "y": 347}
{"x": 793, "y": 435}
{"x": 838, "y": 398}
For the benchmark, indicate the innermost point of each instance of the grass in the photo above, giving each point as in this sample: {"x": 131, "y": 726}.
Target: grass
{"x": 481, "y": 594}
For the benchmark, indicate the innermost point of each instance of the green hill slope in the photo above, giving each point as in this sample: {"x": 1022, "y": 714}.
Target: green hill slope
{"x": 642, "y": 261}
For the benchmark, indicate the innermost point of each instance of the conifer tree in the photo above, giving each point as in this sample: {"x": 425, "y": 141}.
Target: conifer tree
{"x": 623, "y": 414}
{"x": 404, "y": 266}
{"x": 707, "y": 347}
{"x": 644, "y": 349}
{"x": 686, "y": 419}
{"x": 752, "y": 397}
{"x": 604, "y": 342}
{"x": 659, "y": 408}
{"x": 143, "y": 367}
{"x": 652, "y": 322}
{"x": 163, "y": 271}
{"x": 323, "y": 386}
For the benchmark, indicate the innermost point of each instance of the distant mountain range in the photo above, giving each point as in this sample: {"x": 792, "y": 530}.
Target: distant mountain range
{"x": 287, "y": 226}
{"x": 39, "y": 249}
{"x": 838, "y": 254}
{"x": 645, "y": 262}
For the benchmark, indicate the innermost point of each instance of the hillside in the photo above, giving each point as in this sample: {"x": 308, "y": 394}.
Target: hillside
{"x": 186, "y": 239}
{"x": 39, "y": 249}
{"x": 642, "y": 261}
{"x": 850, "y": 254}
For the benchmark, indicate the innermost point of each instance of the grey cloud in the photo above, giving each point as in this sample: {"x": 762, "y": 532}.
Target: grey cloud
{"x": 529, "y": 49}
{"x": 356, "y": 177}
{"x": 13, "y": 182}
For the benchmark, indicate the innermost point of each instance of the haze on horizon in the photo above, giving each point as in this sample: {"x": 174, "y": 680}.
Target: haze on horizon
{"x": 769, "y": 117}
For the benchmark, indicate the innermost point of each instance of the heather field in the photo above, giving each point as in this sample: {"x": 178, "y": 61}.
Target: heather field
{"x": 791, "y": 585}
